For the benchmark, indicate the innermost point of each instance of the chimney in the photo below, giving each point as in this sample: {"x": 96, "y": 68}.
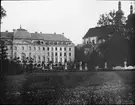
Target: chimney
{"x": 62, "y": 33}
{"x": 54, "y": 32}
{"x": 13, "y": 30}
{"x": 40, "y": 32}
{"x": 6, "y": 30}
{"x": 36, "y": 32}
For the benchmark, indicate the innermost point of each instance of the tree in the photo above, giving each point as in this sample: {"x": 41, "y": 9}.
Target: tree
{"x": 115, "y": 46}
{"x": 3, "y": 50}
{"x": 130, "y": 33}
{"x": 3, "y": 14}
{"x": 107, "y": 19}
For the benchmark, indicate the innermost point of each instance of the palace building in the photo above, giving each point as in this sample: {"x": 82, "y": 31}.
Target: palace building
{"x": 39, "y": 46}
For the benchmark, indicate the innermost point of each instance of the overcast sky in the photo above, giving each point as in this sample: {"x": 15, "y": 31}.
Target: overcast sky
{"x": 71, "y": 17}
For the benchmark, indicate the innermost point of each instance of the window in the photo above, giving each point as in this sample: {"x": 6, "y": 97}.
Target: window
{"x": 15, "y": 48}
{"x": 56, "y": 60}
{"x": 60, "y": 49}
{"x": 30, "y": 55}
{"x": 56, "y": 48}
{"x": 48, "y": 48}
{"x": 64, "y": 54}
{"x": 60, "y": 59}
{"x": 48, "y": 59}
{"x": 43, "y": 48}
{"x": 34, "y": 57}
{"x": 22, "y": 48}
{"x": 69, "y": 54}
{"x": 11, "y": 48}
{"x": 64, "y": 49}
{"x": 70, "y": 59}
{"x": 34, "y": 48}
{"x": 15, "y": 54}
{"x": 55, "y": 54}
{"x": 52, "y": 53}
{"x": 52, "y": 48}
{"x": 48, "y": 53}
{"x": 39, "y": 58}
{"x": 60, "y": 54}
{"x": 38, "y": 48}
{"x": 69, "y": 49}
{"x": 65, "y": 60}
{"x": 44, "y": 58}
{"x": 29, "y": 48}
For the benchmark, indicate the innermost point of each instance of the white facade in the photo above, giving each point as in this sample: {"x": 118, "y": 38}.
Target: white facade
{"x": 48, "y": 50}
{"x": 90, "y": 40}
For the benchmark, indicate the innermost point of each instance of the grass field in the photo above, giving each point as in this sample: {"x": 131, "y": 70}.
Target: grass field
{"x": 72, "y": 87}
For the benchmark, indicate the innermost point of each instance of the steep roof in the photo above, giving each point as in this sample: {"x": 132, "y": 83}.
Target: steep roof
{"x": 99, "y": 31}
{"x": 51, "y": 37}
{"x": 7, "y": 34}
{"x": 24, "y": 34}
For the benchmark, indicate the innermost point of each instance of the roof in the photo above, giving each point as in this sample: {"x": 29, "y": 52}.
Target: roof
{"x": 98, "y": 31}
{"x": 51, "y": 37}
{"x": 7, "y": 34}
{"x": 24, "y": 34}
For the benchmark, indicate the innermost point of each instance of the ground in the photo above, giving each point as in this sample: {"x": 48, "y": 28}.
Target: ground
{"x": 115, "y": 87}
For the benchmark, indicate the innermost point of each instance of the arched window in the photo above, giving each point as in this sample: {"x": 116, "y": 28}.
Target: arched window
{"x": 23, "y": 57}
{"x": 34, "y": 57}
{"x": 39, "y": 58}
{"x": 69, "y": 49}
{"x": 44, "y": 58}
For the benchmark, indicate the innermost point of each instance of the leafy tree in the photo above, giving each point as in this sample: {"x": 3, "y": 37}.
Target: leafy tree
{"x": 107, "y": 19}
{"x": 3, "y": 50}
{"x": 3, "y": 13}
{"x": 115, "y": 47}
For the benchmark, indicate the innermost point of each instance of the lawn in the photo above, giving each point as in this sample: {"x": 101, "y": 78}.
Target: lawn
{"x": 72, "y": 87}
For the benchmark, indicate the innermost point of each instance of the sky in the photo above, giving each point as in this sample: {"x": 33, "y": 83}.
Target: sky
{"x": 71, "y": 17}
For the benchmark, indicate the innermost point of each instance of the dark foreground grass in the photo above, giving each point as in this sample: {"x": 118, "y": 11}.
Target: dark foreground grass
{"x": 109, "y": 87}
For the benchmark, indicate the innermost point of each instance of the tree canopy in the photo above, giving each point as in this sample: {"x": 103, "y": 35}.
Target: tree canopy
{"x": 3, "y": 13}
